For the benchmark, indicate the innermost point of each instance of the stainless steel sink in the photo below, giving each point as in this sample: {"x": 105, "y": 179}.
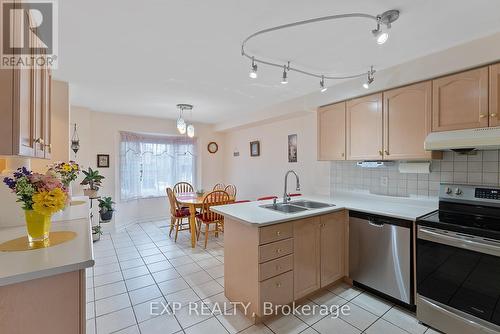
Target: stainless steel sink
{"x": 286, "y": 208}
{"x": 311, "y": 204}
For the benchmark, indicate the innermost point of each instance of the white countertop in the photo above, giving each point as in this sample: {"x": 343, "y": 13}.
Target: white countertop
{"x": 396, "y": 207}
{"x": 76, "y": 254}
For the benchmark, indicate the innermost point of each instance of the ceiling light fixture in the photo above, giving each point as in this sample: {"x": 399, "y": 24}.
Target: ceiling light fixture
{"x": 182, "y": 126}
{"x": 253, "y": 71}
{"x": 322, "y": 86}
{"x": 383, "y": 21}
{"x": 370, "y": 77}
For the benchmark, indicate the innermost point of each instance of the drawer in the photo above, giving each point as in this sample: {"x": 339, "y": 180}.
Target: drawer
{"x": 276, "y": 249}
{"x": 277, "y": 290}
{"x": 275, "y": 267}
{"x": 276, "y": 232}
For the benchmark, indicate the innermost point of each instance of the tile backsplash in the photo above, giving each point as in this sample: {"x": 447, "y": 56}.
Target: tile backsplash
{"x": 478, "y": 167}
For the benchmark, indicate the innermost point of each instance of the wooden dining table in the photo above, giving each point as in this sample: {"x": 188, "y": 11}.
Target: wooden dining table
{"x": 193, "y": 201}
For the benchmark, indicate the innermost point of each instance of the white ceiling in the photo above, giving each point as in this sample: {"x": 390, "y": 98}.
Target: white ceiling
{"x": 144, "y": 57}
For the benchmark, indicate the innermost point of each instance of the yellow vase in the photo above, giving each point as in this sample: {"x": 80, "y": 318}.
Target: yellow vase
{"x": 38, "y": 226}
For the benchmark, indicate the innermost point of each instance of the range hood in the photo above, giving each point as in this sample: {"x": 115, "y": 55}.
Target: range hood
{"x": 464, "y": 140}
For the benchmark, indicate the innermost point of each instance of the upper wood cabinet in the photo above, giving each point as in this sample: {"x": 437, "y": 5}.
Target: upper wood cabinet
{"x": 331, "y": 132}
{"x": 460, "y": 101}
{"x": 407, "y": 121}
{"x": 364, "y": 128}
{"x": 494, "y": 111}
{"x": 306, "y": 247}
{"x": 25, "y": 103}
{"x": 333, "y": 245}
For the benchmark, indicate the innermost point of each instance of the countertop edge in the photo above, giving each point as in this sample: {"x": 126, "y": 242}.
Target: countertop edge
{"x": 46, "y": 273}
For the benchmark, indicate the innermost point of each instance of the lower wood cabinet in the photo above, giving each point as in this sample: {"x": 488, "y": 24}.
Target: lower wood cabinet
{"x": 277, "y": 264}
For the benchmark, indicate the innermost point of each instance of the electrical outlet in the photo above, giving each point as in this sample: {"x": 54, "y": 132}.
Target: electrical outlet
{"x": 383, "y": 181}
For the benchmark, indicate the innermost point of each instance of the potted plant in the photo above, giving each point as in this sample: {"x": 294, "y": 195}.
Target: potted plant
{"x": 94, "y": 180}
{"x": 96, "y": 232}
{"x": 106, "y": 208}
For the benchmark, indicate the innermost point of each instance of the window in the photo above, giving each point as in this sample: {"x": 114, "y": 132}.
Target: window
{"x": 151, "y": 163}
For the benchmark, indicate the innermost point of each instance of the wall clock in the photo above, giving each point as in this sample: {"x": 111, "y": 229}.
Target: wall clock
{"x": 212, "y": 147}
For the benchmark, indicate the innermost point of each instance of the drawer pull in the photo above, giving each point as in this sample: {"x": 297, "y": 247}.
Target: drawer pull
{"x": 482, "y": 116}
{"x": 278, "y": 284}
{"x": 278, "y": 233}
{"x": 278, "y": 267}
{"x": 278, "y": 250}
{"x": 493, "y": 115}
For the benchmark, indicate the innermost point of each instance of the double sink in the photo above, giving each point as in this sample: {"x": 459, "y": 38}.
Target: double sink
{"x": 296, "y": 206}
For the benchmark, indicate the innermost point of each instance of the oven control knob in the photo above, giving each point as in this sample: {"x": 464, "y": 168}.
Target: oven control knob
{"x": 458, "y": 192}
{"x": 448, "y": 191}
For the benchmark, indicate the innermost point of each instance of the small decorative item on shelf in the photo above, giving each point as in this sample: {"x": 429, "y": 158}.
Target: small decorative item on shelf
{"x": 200, "y": 192}
{"x": 93, "y": 179}
{"x": 67, "y": 172}
{"x": 41, "y": 196}
{"x": 106, "y": 209}
{"x": 96, "y": 232}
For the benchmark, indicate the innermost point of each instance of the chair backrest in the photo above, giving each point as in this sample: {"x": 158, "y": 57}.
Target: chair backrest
{"x": 266, "y": 198}
{"x": 219, "y": 186}
{"x": 216, "y": 197}
{"x": 183, "y": 187}
{"x": 174, "y": 206}
{"x": 231, "y": 190}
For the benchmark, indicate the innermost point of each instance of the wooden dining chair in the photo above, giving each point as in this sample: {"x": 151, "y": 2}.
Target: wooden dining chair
{"x": 231, "y": 190}
{"x": 207, "y": 217}
{"x": 177, "y": 215}
{"x": 219, "y": 186}
{"x": 183, "y": 187}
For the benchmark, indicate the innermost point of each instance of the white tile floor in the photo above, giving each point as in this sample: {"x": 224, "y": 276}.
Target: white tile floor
{"x": 142, "y": 264}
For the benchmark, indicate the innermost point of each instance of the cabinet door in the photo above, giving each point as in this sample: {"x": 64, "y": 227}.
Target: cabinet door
{"x": 331, "y": 132}
{"x": 407, "y": 121}
{"x": 460, "y": 101}
{"x": 306, "y": 258}
{"x": 333, "y": 244}
{"x": 494, "y": 95}
{"x": 364, "y": 128}
{"x": 46, "y": 112}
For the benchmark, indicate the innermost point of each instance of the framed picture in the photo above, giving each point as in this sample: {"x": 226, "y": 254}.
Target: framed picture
{"x": 292, "y": 148}
{"x": 254, "y": 148}
{"x": 103, "y": 161}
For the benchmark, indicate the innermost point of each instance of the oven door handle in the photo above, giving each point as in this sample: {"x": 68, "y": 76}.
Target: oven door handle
{"x": 461, "y": 241}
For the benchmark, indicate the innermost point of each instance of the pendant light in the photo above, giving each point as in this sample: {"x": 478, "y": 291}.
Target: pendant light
{"x": 182, "y": 126}
{"x": 75, "y": 141}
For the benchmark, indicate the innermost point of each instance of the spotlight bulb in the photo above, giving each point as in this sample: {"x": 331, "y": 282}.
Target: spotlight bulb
{"x": 253, "y": 71}
{"x": 322, "y": 86}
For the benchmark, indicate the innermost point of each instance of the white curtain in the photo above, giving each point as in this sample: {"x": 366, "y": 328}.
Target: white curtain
{"x": 151, "y": 163}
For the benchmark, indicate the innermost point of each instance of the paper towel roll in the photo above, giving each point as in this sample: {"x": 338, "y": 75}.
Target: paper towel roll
{"x": 415, "y": 167}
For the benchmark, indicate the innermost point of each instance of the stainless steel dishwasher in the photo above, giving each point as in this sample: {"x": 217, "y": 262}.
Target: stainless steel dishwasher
{"x": 380, "y": 255}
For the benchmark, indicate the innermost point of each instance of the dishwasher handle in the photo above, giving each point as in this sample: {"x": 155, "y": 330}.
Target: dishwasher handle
{"x": 376, "y": 223}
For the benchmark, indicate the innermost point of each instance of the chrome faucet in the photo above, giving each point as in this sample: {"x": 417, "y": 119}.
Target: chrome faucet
{"x": 286, "y": 196}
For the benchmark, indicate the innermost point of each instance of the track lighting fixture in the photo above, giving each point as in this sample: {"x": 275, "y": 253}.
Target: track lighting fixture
{"x": 322, "y": 86}
{"x": 253, "y": 71}
{"x": 370, "y": 78}
{"x": 284, "y": 79}
{"x": 383, "y": 24}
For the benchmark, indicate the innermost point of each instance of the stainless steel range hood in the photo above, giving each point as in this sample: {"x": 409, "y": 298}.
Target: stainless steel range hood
{"x": 464, "y": 140}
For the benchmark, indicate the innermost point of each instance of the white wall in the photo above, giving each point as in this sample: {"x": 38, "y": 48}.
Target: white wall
{"x": 99, "y": 134}
{"x": 264, "y": 175}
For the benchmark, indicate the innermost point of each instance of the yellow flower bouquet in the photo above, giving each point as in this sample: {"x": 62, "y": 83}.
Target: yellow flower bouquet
{"x": 41, "y": 196}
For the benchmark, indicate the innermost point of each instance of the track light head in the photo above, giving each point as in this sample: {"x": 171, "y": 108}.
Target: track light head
{"x": 380, "y": 36}
{"x": 253, "y": 71}
{"x": 322, "y": 86}
{"x": 386, "y": 18}
{"x": 370, "y": 78}
{"x": 284, "y": 78}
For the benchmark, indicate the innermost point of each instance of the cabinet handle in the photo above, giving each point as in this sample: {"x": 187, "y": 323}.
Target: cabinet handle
{"x": 278, "y": 250}
{"x": 386, "y": 152}
{"x": 278, "y": 233}
{"x": 342, "y": 155}
{"x": 493, "y": 115}
{"x": 278, "y": 267}
{"x": 278, "y": 285}
{"x": 380, "y": 153}
{"x": 49, "y": 146}
{"x": 482, "y": 115}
